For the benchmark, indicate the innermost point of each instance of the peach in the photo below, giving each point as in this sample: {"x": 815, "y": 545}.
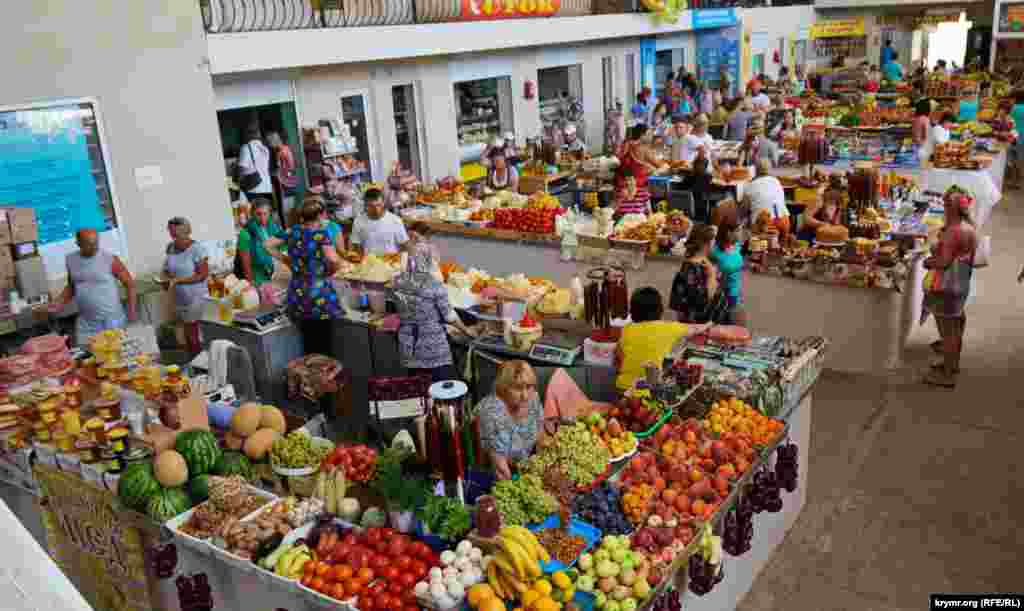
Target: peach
{"x": 682, "y": 503}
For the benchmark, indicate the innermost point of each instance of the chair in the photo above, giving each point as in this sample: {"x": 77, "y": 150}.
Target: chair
{"x": 395, "y": 399}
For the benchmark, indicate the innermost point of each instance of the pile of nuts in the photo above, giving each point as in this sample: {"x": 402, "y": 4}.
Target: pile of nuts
{"x": 560, "y": 544}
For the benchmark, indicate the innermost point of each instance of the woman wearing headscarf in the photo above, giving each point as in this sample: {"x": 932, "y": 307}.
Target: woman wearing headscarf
{"x": 185, "y": 272}
{"x": 423, "y": 311}
{"x": 952, "y": 263}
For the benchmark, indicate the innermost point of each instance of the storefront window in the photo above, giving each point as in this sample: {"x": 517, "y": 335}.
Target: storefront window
{"x": 406, "y": 127}
{"x": 353, "y": 112}
{"x": 662, "y": 67}
{"x": 483, "y": 109}
{"x": 561, "y": 94}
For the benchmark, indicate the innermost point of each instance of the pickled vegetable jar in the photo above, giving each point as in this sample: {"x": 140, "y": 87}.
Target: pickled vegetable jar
{"x": 488, "y": 518}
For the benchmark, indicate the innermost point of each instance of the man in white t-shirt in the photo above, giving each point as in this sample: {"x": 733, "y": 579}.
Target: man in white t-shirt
{"x": 765, "y": 193}
{"x": 760, "y": 100}
{"x": 255, "y": 157}
{"x": 378, "y": 232}
{"x": 699, "y": 138}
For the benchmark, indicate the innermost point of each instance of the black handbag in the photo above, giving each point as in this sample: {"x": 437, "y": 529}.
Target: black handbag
{"x": 248, "y": 182}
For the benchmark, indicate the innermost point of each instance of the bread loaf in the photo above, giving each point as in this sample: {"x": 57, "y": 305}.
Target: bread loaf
{"x": 832, "y": 234}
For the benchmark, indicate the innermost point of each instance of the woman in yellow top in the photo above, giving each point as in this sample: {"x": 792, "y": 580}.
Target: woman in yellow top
{"x": 648, "y": 339}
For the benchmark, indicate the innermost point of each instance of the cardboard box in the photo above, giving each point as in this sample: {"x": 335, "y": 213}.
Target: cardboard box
{"x": 5, "y": 228}
{"x": 6, "y": 262}
{"x": 22, "y": 222}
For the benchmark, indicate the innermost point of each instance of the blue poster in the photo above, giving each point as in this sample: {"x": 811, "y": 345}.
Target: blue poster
{"x": 45, "y": 165}
{"x": 704, "y": 19}
{"x": 718, "y": 48}
{"x": 648, "y": 58}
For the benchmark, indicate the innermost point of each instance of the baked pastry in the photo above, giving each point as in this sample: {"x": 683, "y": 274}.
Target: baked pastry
{"x": 832, "y": 234}
{"x": 869, "y": 230}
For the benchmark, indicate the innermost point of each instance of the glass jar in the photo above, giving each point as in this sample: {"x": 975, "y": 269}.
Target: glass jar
{"x": 40, "y": 431}
{"x": 73, "y": 394}
{"x": 117, "y": 440}
{"x": 108, "y": 409}
{"x": 87, "y": 451}
{"x": 64, "y": 441}
{"x": 173, "y": 374}
{"x": 90, "y": 368}
{"x": 94, "y": 428}
{"x": 488, "y": 518}
{"x": 72, "y": 421}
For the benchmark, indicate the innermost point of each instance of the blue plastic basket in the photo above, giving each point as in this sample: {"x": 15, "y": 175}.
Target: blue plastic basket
{"x": 591, "y": 535}
{"x": 585, "y": 601}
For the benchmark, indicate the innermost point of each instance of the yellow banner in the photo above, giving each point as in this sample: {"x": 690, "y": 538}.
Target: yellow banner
{"x": 838, "y": 28}
{"x": 91, "y": 543}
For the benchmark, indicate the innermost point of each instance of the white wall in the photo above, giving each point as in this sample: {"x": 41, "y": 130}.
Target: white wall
{"x": 144, "y": 62}
{"x": 318, "y": 90}
{"x": 774, "y": 23}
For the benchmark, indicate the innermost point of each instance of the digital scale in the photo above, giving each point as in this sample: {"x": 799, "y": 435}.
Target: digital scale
{"x": 259, "y": 319}
{"x": 548, "y": 349}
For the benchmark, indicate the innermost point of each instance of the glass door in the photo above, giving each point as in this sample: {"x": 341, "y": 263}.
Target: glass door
{"x": 608, "y": 83}
{"x": 406, "y": 128}
{"x": 354, "y": 112}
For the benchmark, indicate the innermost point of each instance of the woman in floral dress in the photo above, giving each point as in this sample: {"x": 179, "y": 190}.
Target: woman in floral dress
{"x": 312, "y": 301}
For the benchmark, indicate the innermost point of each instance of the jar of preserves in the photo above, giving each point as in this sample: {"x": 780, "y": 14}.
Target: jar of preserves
{"x": 488, "y": 518}
{"x": 41, "y": 431}
{"x": 90, "y": 368}
{"x": 73, "y": 393}
{"x": 87, "y": 451}
{"x": 72, "y": 421}
{"x": 117, "y": 440}
{"x": 94, "y": 428}
{"x": 108, "y": 409}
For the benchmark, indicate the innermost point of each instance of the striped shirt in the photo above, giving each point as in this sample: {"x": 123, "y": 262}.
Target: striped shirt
{"x": 635, "y": 205}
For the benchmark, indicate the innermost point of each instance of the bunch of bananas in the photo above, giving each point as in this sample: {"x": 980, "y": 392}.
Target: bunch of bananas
{"x": 288, "y": 560}
{"x": 516, "y": 563}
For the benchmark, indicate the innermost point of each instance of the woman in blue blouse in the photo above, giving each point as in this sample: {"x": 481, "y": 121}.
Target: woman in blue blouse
{"x": 511, "y": 418}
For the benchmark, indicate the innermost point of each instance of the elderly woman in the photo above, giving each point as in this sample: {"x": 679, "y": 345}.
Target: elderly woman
{"x": 312, "y": 301}
{"x": 185, "y": 272}
{"x": 502, "y": 175}
{"x": 819, "y": 213}
{"x": 511, "y": 418}
{"x": 423, "y": 312}
{"x": 952, "y": 261}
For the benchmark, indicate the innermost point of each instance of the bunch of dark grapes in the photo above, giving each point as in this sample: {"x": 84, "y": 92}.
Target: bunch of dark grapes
{"x": 601, "y": 508}
{"x": 686, "y": 375}
{"x": 703, "y": 575}
{"x": 738, "y": 530}
{"x": 787, "y": 466}
{"x": 668, "y": 600}
{"x": 764, "y": 492}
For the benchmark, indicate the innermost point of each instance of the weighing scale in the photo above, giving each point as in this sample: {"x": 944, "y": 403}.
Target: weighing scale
{"x": 260, "y": 319}
{"x": 557, "y": 350}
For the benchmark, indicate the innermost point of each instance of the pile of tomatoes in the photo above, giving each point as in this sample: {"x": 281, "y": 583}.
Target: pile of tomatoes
{"x": 531, "y": 220}
{"x": 377, "y": 568}
{"x": 359, "y": 462}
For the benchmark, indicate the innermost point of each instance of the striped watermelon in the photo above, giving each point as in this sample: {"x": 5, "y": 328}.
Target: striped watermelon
{"x": 200, "y": 450}
{"x": 199, "y": 489}
{"x": 137, "y": 484}
{"x": 233, "y": 463}
{"x": 167, "y": 503}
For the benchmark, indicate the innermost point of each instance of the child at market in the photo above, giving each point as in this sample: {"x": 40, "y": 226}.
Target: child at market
{"x": 631, "y": 199}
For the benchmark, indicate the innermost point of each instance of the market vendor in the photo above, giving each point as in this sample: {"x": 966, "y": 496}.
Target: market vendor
{"x": 648, "y": 338}
{"x": 398, "y": 186}
{"x": 264, "y": 234}
{"x": 511, "y": 418}
{"x": 786, "y": 128}
{"x": 93, "y": 278}
{"x": 378, "y": 232}
{"x": 573, "y": 142}
{"x": 184, "y": 275}
{"x": 737, "y": 123}
{"x": 827, "y": 211}
{"x": 765, "y": 192}
{"x": 502, "y": 176}
{"x": 699, "y": 139}
{"x": 312, "y": 300}
{"x": 922, "y": 124}
{"x": 892, "y": 69}
{"x": 759, "y": 99}
{"x": 631, "y": 198}
{"x": 637, "y": 156}
{"x": 676, "y": 137}
{"x": 757, "y": 147}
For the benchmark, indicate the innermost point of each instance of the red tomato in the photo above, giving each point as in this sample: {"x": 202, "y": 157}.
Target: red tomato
{"x": 419, "y": 568}
{"x": 350, "y": 539}
{"x": 383, "y": 547}
{"x": 408, "y": 581}
{"x": 418, "y": 549}
{"x": 411, "y": 607}
{"x": 396, "y": 588}
{"x": 366, "y": 602}
{"x": 365, "y": 575}
{"x": 390, "y": 573}
{"x": 382, "y": 601}
{"x": 387, "y": 533}
{"x": 337, "y": 591}
{"x": 397, "y": 546}
{"x": 373, "y": 536}
{"x": 403, "y": 563}
{"x": 379, "y": 563}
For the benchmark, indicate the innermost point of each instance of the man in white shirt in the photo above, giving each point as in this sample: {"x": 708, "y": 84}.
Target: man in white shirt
{"x": 378, "y": 232}
{"x": 677, "y": 135}
{"x": 765, "y": 193}
{"x": 255, "y": 158}
{"x": 760, "y": 100}
{"x": 699, "y": 138}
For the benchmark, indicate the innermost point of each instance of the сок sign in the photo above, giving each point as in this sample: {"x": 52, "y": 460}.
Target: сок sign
{"x": 483, "y": 10}
{"x": 838, "y": 28}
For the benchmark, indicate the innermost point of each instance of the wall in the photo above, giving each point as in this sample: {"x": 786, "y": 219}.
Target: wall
{"x": 318, "y": 90}
{"x": 773, "y": 23}
{"x": 144, "y": 62}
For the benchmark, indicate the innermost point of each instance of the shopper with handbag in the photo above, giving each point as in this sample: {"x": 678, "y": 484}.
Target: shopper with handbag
{"x": 253, "y": 171}
{"x": 697, "y": 295}
{"x": 947, "y": 284}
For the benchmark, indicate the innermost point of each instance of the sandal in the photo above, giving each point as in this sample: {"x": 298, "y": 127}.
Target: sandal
{"x": 937, "y": 378}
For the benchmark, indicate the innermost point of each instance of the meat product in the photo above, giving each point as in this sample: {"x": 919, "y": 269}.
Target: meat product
{"x": 730, "y": 334}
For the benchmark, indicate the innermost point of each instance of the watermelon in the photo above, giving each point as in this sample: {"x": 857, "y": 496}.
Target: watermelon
{"x": 199, "y": 489}
{"x": 200, "y": 450}
{"x": 167, "y": 503}
{"x": 137, "y": 484}
{"x": 233, "y": 463}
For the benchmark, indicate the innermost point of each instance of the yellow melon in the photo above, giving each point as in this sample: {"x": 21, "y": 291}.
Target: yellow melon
{"x": 246, "y": 419}
{"x": 170, "y": 469}
{"x": 272, "y": 418}
{"x": 258, "y": 444}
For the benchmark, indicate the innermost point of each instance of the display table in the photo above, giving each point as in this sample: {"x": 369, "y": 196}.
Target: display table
{"x": 776, "y": 305}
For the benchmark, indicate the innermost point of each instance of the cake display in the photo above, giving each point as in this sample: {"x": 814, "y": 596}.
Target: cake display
{"x": 832, "y": 234}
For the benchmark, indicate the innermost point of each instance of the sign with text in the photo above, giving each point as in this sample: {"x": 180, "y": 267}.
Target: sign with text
{"x": 91, "y": 542}
{"x": 838, "y": 28}
{"x": 716, "y": 51}
{"x": 705, "y": 19}
{"x": 489, "y": 10}
{"x": 912, "y": 22}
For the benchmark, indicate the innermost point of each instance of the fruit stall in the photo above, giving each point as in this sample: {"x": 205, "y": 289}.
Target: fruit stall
{"x": 677, "y": 494}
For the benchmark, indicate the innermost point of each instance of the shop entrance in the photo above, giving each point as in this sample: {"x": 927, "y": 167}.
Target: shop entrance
{"x": 280, "y": 118}
{"x": 407, "y": 129}
{"x": 560, "y": 89}
{"x": 948, "y": 41}
{"x": 483, "y": 111}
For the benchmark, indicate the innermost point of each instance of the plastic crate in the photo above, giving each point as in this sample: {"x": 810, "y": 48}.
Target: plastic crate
{"x": 591, "y": 535}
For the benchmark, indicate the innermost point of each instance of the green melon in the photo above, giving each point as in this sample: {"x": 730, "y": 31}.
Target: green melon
{"x": 233, "y": 463}
{"x": 200, "y": 450}
{"x": 137, "y": 484}
{"x": 199, "y": 489}
{"x": 168, "y": 503}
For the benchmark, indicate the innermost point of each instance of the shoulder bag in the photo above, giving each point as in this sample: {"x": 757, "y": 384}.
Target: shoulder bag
{"x": 248, "y": 181}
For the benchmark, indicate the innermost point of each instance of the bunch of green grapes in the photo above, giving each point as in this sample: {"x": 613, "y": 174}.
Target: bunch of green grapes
{"x": 523, "y": 501}
{"x": 296, "y": 450}
{"x": 579, "y": 454}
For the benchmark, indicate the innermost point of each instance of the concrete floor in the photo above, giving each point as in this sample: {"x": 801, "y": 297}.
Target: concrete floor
{"x": 912, "y": 488}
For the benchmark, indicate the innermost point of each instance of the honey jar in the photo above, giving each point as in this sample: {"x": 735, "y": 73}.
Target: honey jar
{"x": 72, "y": 421}
{"x": 41, "y": 432}
{"x": 64, "y": 441}
{"x": 108, "y": 409}
{"x": 117, "y": 440}
{"x": 73, "y": 393}
{"x": 94, "y": 428}
{"x": 90, "y": 368}
{"x": 88, "y": 451}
